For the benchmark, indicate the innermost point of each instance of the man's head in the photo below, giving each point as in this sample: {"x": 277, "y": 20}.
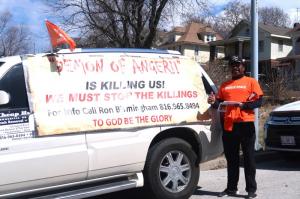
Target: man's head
{"x": 237, "y": 67}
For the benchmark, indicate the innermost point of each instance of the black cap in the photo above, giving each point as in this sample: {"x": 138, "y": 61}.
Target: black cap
{"x": 235, "y": 59}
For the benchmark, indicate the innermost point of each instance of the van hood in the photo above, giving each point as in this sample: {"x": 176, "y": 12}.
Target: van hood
{"x": 294, "y": 106}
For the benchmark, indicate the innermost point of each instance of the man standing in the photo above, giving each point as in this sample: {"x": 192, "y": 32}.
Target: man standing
{"x": 243, "y": 94}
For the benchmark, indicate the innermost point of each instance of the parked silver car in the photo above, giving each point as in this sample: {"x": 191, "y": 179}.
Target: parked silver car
{"x": 282, "y": 129}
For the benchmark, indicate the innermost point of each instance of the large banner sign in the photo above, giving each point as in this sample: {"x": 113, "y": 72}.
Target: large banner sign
{"x": 89, "y": 92}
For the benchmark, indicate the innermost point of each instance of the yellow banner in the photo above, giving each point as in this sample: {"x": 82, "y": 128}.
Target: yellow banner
{"x": 88, "y": 92}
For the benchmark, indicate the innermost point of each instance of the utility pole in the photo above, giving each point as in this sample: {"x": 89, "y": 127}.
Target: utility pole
{"x": 254, "y": 60}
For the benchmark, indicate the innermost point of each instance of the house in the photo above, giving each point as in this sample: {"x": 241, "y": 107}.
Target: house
{"x": 274, "y": 43}
{"x": 290, "y": 65}
{"x": 293, "y": 59}
{"x": 191, "y": 40}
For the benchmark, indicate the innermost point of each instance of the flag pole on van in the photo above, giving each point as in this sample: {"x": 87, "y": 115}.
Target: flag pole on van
{"x": 58, "y": 36}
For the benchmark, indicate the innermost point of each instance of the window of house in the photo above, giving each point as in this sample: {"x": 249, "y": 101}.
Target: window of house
{"x": 208, "y": 38}
{"x": 261, "y": 46}
{"x": 247, "y": 32}
{"x": 196, "y": 50}
{"x": 280, "y": 45}
{"x": 173, "y": 38}
{"x": 179, "y": 49}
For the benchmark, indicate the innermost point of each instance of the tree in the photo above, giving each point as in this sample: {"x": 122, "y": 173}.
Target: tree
{"x": 274, "y": 16}
{"x": 116, "y": 23}
{"x": 201, "y": 12}
{"x": 13, "y": 39}
{"x": 234, "y": 12}
{"x": 218, "y": 71}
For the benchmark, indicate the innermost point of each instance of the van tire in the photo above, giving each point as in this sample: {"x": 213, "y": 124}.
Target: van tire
{"x": 163, "y": 166}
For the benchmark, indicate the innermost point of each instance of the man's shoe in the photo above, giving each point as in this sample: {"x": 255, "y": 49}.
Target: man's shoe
{"x": 228, "y": 192}
{"x": 251, "y": 195}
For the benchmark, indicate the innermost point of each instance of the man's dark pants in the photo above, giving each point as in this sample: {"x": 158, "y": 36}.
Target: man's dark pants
{"x": 243, "y": 134}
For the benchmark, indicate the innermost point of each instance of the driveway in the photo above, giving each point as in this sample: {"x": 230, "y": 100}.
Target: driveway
{"x": 276, "y": 179}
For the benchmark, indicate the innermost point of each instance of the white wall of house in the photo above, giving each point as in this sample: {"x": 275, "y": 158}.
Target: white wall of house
{"x": 265, "y": 54}
{"x": 286, "y": 47}
{"x": 203, "y": 53}
{"x": 221, "y": 52}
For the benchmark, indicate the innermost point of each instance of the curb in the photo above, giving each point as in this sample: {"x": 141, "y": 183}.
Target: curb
{"x": 261, "y": 156}
{"x": 220, "y": 162}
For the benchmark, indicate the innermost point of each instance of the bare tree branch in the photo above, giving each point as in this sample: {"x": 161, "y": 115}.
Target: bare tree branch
{"x": 14, "y": 39}
{"x": 275, "y": 16}
{"x": 118, "y": 23}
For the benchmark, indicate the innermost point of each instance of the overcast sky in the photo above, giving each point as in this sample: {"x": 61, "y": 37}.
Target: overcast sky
{"x": 33, "y": 13}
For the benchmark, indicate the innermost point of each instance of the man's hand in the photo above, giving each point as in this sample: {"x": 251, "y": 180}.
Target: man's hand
{"x": 211, "y": 98}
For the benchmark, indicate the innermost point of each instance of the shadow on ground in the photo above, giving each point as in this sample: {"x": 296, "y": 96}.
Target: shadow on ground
{"x": 200, "y": 192}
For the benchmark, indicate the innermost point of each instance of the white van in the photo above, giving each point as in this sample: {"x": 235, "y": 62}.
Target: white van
{"x": 93, "y": 121}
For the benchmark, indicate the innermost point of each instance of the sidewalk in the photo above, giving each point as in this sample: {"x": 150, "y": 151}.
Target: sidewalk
{"x": 220, "y": 162}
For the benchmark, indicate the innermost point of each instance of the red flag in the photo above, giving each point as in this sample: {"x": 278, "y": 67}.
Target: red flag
{"x": 58, "y": 36}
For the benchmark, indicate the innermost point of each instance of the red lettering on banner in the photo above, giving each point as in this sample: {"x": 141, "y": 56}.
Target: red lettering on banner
{"x": 113, "y": 122}
{"x": 144, "y": 95}
{"x": 118, "y": 66}
{"x": 58, "y": 98}
{"x": 142, "y": 119}
{"x": 116, "y": 96}
{"x": 84, "y": 97}
{"x": 161, "y": 118}
{"x": 155, "y": 66}
{"x": 98, "y": 122}
{"x": 84, "y": 66}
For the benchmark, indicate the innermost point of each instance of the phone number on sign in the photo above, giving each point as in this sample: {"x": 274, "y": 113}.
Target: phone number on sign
{"x": 180, "y": 106}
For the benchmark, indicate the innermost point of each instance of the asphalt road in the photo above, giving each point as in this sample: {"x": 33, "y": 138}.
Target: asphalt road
{"x": 276, "y": 179}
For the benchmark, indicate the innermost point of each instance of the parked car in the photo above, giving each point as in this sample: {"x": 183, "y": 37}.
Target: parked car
{"x": 93, "y": 121}
{"x": 282, "y": 129}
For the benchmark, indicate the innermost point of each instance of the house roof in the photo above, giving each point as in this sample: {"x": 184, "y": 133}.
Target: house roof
{"x": 276, "y": 30}
{"x": 178, "y": 29}
{"x": 190, "y": 34}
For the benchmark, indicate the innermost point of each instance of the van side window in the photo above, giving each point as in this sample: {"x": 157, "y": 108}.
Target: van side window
{"x": 208, "y": 88}
{"x": 13, "y": 82}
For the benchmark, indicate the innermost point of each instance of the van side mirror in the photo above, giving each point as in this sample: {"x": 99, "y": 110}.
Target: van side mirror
{"x": 4, "y": 97}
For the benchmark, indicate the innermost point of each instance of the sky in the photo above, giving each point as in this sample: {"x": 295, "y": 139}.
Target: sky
{"x": 32, "y": 13}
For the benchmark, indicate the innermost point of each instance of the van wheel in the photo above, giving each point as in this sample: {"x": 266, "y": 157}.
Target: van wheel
{"x": 170, "y": 170}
